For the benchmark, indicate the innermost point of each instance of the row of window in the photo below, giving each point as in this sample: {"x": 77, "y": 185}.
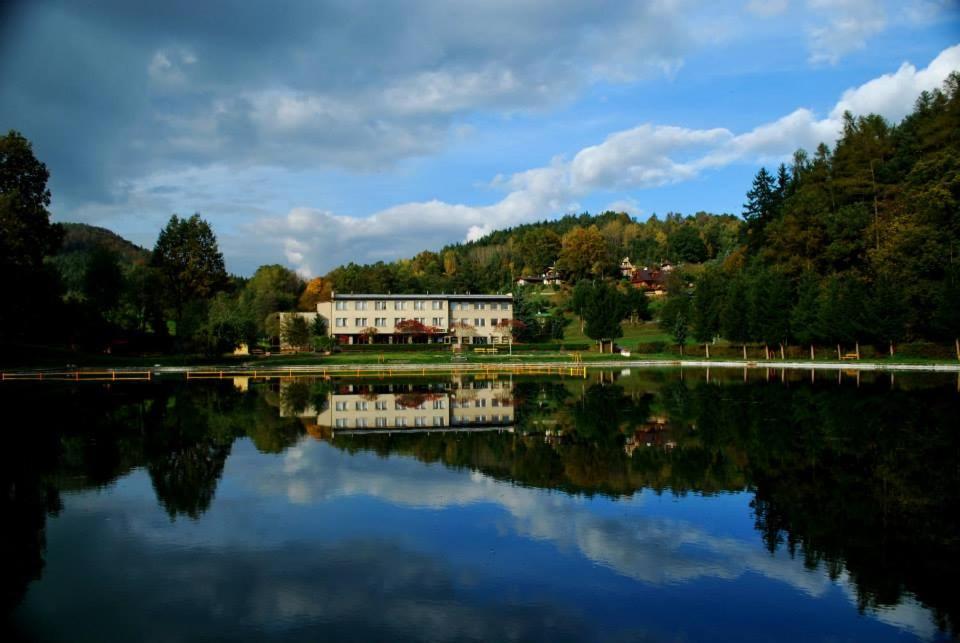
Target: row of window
{"x": 462, "y": 305}
{"x": 421, "y": 305}
{"x": 382, "y": 305}
{"x": 421, "y": 420}
{"x": 381, "y": 422}
{"x": 381, "y": 405}
{"x": 381, "y": 322}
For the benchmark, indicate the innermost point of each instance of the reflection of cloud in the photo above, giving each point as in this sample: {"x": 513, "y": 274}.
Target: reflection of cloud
{"x": 631, "y": 542}
{"x": 353, "y": 590}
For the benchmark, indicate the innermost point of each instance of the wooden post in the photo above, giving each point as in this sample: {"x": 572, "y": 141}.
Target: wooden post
{"x": 858, "y": 349}
{"x": 744, "y": 352}
{"x": 782, "y": 354}
{"x": 838, "y": 352}
{"x": 766, "y": 352}
{"x": 891, "y": 348}
{"x": 813, "y": 357}
{"x": 706, "y": 347}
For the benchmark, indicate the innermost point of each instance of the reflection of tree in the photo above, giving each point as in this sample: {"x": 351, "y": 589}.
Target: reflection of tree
{"x": 863, "y": 481}
{"x": 184, "y": 452}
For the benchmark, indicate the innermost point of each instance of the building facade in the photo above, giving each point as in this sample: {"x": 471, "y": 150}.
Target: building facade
{"x": 420, "y": 318}
{"x": 470, "y": 404}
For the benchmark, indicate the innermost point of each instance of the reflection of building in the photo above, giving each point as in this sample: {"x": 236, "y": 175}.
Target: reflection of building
{"x": 653, "y": 433}
{"x": 401, "y": 319}
{"x": 400, "y": 407}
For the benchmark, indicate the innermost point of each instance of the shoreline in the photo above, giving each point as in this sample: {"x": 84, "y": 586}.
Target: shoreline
{"x": 569, "y": 367}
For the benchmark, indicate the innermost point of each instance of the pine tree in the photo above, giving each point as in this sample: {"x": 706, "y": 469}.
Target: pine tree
{"x": 760, "y": 208}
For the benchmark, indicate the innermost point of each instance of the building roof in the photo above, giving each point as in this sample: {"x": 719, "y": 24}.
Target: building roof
{"x": 445, "y": 296}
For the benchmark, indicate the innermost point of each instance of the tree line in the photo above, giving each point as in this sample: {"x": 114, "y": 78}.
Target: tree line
{"x": 859, "y": 243}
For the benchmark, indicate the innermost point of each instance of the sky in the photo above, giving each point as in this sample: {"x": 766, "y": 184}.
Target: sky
{"x": 313, "y": 133}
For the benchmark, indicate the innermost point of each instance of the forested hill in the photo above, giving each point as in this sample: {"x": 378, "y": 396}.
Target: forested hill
{"x": 83, "y": 238}
{"x": 580, "y": 246}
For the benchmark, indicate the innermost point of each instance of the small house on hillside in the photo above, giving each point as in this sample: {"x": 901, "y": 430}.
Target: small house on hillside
{"x": 652, "y": 282}
{"x": 626, "y": 268}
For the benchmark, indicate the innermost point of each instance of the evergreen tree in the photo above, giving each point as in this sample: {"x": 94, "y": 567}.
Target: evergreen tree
{"x": 760, "y": 208}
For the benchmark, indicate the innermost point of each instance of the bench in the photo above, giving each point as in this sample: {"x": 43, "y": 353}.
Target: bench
{"x": 491, "y": 351}
{"x": 850, "y": 356}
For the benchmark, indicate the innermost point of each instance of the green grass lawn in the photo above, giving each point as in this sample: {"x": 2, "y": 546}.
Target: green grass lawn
{"x": 633, "y": 334}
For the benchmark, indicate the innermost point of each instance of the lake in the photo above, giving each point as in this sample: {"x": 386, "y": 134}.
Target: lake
{"x": 651, "y": 505}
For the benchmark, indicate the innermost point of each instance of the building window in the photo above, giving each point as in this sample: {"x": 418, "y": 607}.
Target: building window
{"x": 438, "y": 404}
{"x": 360, "y": 305}
{"x": 397, "y": 320}
{"x": 341, "y": 406}
{"x": 398, "y": 305}
{"x": 341, "y": 305}
{"x": 479, "y": 322}
{"x": 380, "y": 405}
{"x": 438, "y": 305}
{"x": 380, "y": 321}
{"x": 341, "y": 423}
{"x": 480, "y": 306}
{"x": 380, "y": 305}
{"x": 438, "y": 420}
{"x": 420, "y": 320}
{"x": 420, "y": 421}
{"x": 493, "y": 322}
{"x": 341, "y": 322}
{"x": 381, "y": 422}
{"x": 504, "y": 306}
{"x": 400, "y": 422}
{"x": 419, "y": 305}
{"x": 360, "y": 321}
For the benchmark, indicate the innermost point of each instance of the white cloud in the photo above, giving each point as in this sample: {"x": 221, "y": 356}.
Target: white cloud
{"x": 893, "y": 95}
{"x": 846, "y": 26}
{"x": 645, "y": 156}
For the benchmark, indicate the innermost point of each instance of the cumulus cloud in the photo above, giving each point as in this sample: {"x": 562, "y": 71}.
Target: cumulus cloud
{"x": 645, "y": 156}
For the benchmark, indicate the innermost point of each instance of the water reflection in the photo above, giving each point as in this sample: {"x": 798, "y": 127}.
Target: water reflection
{"x": 848, "y": 488}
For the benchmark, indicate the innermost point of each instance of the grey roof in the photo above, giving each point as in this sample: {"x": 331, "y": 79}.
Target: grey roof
{"x": 445, "y": 296}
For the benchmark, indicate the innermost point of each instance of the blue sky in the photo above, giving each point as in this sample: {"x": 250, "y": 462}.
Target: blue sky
{"x": 326, "y": 132}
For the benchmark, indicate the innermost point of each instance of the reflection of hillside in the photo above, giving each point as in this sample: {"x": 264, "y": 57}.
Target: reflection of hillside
{"x": 863, "y": 480}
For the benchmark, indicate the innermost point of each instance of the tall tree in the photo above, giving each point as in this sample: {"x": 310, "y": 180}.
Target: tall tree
{"x": 190, "y": 262}
{"x": 26, "y": 236}
{"x": 584, "y": 254}
{"x": 760, "y": 208}
{"x": 708, "y": 305}
{"x": 604, "y": 307}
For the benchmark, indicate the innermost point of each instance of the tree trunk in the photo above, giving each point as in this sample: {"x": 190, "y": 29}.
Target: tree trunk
{"x": 745, "y": 353}
{"x": 782, "y": 353}
{"x": 839, "y": 356}
{"x": 681, "y": 350}
{"x": 706, "y": 347}
{"x": 812, "y": 355}
{"x": 857, "y": 344}
{"x": 766, "y": 352}
{"x": 956, "y": 344}
{"x": 891, "y": 348}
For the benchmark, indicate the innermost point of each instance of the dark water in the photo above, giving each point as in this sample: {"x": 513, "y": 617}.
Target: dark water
{"x": 647, "y": 506}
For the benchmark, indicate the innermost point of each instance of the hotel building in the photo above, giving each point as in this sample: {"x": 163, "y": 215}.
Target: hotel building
{"x": 425, "y": 318}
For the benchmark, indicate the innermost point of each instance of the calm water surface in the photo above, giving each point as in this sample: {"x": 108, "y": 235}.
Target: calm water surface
{"x": 640, "y": 506}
